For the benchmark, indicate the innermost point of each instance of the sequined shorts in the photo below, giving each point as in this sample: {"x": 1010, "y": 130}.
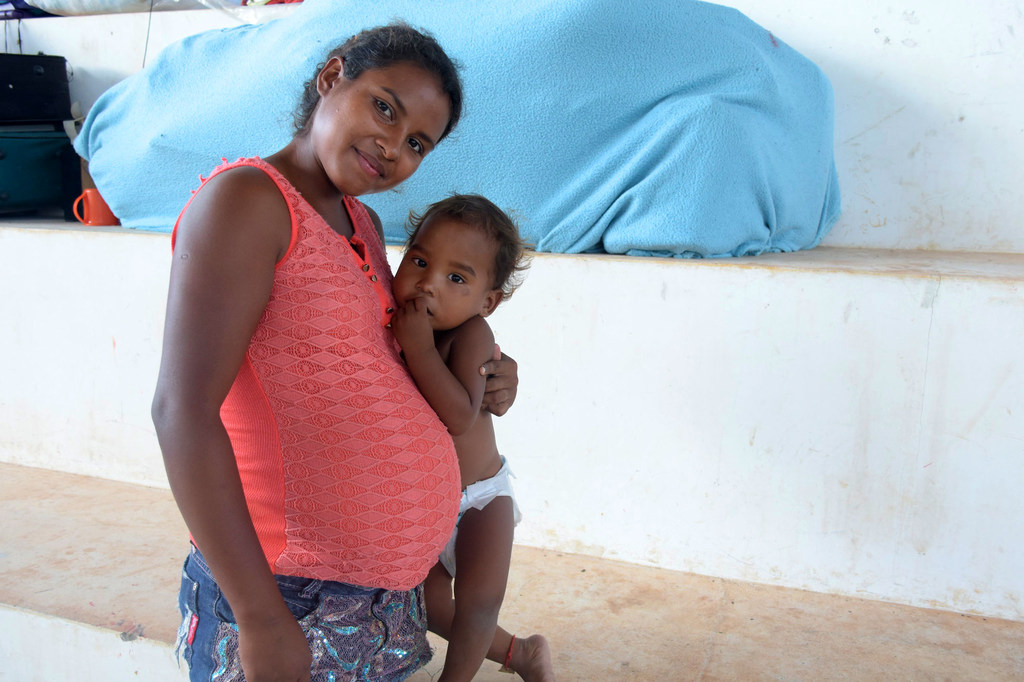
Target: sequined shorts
{"x": 354, "y": 633}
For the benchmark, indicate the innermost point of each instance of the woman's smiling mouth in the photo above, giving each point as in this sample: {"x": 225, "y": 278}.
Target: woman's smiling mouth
{"x": 370, "y": 165}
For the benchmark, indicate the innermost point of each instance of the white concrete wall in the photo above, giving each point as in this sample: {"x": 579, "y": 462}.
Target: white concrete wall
{"x": 928, "y": 116}
{"x": 79, "y": 350}
{"x": 852, "y": 432}
{"x": 928, "y": 134}
{"x": 103, "y": 49}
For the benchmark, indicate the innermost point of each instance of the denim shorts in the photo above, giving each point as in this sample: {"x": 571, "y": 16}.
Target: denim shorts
{"x": 354, "y": 633}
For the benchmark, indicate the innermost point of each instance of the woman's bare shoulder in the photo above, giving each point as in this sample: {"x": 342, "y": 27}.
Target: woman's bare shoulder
{"x": 241, "y": 201}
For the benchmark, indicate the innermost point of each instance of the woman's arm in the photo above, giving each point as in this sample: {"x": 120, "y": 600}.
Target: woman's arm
{"x": 227, "y": 245}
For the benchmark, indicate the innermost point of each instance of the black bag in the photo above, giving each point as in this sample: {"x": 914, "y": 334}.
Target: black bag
{"x": 34, "y": 89}
{"x": 39, "y": 168}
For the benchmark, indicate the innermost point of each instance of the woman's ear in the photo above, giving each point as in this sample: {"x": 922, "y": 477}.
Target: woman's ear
{"x": 329, "y": 75}
{"x": 491, "y": 301}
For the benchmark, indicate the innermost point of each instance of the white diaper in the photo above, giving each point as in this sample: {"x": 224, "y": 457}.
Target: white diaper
{"x": 477, "y": 496}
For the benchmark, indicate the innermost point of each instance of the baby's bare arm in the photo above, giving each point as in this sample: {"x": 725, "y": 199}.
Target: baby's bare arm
{"x": 453, "y": 386}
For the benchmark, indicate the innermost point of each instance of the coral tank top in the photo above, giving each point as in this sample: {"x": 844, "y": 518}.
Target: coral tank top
{"x": 348, "y": 473}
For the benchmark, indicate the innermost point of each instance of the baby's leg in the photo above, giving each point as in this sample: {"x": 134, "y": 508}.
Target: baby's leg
{"x": 530, "y": 656}
{"x": 483, "y": 550}
{"x": 441, "y": 611}
{"x": 437, "y": 591}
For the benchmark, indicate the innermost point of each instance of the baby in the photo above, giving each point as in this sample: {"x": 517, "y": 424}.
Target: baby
{"x": 464, "y": 257}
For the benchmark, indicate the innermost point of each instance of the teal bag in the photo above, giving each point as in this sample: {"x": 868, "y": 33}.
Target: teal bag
{"x": 39, "y": 169}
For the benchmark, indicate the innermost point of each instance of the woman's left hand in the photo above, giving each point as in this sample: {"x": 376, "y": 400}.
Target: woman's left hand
{"x": 502, "y": 374}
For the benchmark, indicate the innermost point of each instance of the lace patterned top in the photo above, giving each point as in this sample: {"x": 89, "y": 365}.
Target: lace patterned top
{"x": 348, "y": 473}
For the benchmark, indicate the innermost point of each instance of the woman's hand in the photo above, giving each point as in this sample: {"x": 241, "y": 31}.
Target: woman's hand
{"x": 274, "y": 650}
{"x": 502, "y": 374}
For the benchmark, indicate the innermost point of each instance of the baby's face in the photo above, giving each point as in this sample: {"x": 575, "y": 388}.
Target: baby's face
{"x": 450, "y": 267}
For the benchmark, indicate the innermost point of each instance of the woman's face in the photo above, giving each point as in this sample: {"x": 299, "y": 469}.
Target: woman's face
{"x": 371, "y": 133}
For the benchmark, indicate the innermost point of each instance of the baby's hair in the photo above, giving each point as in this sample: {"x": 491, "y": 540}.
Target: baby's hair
{"x": 510, "y": 260}
{"x": 377, "y": 48}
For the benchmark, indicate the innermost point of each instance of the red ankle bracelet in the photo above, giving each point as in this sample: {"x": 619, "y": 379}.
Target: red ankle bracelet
{"x": 507, "y": 668}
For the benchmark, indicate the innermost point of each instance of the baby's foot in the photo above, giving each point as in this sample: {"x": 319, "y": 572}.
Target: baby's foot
{"x": 531, "y": 658}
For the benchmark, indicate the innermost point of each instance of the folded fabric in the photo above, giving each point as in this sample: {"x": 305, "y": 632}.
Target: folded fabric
{"x": 648, "y": 128}
{"x": 78, "y": 7}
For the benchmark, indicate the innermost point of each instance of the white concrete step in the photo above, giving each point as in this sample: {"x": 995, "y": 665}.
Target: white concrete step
{"x": 843, "y": 421}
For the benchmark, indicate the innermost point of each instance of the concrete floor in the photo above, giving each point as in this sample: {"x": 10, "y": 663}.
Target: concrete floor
{"x": 108, "y": 554}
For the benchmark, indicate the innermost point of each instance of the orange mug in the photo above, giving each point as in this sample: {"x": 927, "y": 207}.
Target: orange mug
{"x": 94, "y": 208}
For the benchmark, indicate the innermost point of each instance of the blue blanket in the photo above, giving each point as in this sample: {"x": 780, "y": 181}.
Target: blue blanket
{"x": 645, "y": 127}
